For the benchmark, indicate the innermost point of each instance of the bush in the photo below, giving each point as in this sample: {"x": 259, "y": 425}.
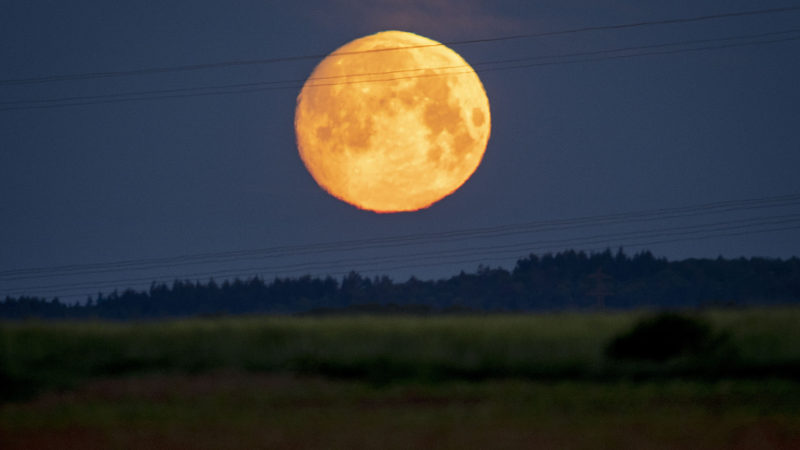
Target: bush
{"x": 663, "y": 337}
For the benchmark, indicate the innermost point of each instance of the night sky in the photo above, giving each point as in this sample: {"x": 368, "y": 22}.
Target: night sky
{"x": 583, "y": 136}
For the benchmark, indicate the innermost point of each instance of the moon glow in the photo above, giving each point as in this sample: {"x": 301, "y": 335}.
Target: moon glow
{"x": 392, "y": 122}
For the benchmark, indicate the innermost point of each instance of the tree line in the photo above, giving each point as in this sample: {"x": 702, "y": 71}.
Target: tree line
{"x": 565, "y": 280}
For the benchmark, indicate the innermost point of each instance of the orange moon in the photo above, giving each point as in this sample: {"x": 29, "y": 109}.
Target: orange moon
{"x": 392, "y": 122}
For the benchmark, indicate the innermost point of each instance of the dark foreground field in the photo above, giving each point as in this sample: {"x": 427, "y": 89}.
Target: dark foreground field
{"x": 442, "y": 382}
{"x": 237, "y": 410}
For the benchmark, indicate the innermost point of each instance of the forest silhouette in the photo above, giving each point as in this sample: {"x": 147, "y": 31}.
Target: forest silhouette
{"x": 569, "y": 280}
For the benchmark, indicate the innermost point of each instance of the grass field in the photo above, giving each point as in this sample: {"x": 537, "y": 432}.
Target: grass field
{"x": 539, "y": 381}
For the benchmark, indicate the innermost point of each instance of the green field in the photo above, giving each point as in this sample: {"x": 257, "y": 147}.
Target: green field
{"x": 535, "y": 381}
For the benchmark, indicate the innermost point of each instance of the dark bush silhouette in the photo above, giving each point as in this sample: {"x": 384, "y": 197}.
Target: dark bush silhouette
{"x": 663, "y": 337}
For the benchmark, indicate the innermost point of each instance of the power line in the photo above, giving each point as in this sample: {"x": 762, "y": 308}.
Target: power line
{"x": 408, "y": 240}
{"x": 222, "y": 64}
{"x": 634, "y": 25}
{"x": 255, "y": 87}
{"x": 599, "y": 248}
{"x": 662, "y": 235}
{"x": 485, "y": 260}
{"x": 647, "y": 47}
{"x": 296, "y": 83}
{"x": 790, "y": 221}
{"x": 709, "y": 230}
{"x": 653, "y": 53}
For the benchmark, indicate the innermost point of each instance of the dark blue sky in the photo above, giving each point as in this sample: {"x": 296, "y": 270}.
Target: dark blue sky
{"x": 110, "y": 182}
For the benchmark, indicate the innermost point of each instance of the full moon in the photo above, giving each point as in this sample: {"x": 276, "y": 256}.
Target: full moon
{"x": 392, "y": 122}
